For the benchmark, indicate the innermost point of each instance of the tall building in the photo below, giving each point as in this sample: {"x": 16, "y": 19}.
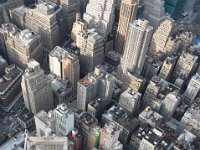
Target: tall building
{"x": 154, "y": 12}
{"x": 161, "y": 36}
{"x": 109, "y": 136}
{"x": 185, "y": 66}
{"x": 36, "y": 88}
{"x": 192, "y": 89}
{"x": 5, "y": 6}
{"x": 22, "y": 45}
{"x": 175, "y": 8}
{"x": 46, "y": 143}
{"x": 98, "y": 84}
{"x": 136, "y": 48}
{"x": 100, "y": 15}
{"x": 69, "y": 10}
{"x": 91, "y": 46}
{"x": 45, "y": 19}
{"x": 128, "y": 13}
{"x": 169, "y": 105}
{"x": 65, "y": 65}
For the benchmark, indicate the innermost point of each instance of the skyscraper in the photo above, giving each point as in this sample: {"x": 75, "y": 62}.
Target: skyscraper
{"x": 136, "y": 48}
{"x": 36, "y": 88}
{"x": 98, "y": 84}
{"x": 69, "y": 10}
{"x": 65, "y": 65}
{"x": 21, "y": 45}
{"x": 175, "y": 8}
{"x": 91, "y": 46}
{"x": 161, "y": 36}
{"x": 100, "y": 15}
{"x": 192, "y": 89}
{"x": 128, "y": 12}
{"x": 154, "y": 12}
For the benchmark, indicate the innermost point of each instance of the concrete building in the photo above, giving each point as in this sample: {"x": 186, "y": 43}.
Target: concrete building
{"x": 36, "y": 88}
{"x": 191, "y": 119}
{"x": 5, "y": 6}
{"x": 65, "y": 65}
{"x": 128, "y": 13}
{"x": 167, "y": 67}
{"x": 45, "y": 19}
{"x": 109, "y": 137}
{"x": 100, "y": 16}
{"x": 185, "y": 65}
{"x": 98, "y": 84}
{"x": 69, "y": 10}
{"x": 172, "y": 45}
{"x": 46, "y": 143}
{"x": 22, "y": 45}
{"x": 10, "y": 86}
{"x": 192, "y": 89}
{"x": 150, "y": 117}
{"x": 91, "y": 46}
{"x": 154, "y": 12}
{"x": 135, "y": 52}
{"x": 161, "y": 36}
{"x": 169, "y": 105}
{"x": 130, "y": 100}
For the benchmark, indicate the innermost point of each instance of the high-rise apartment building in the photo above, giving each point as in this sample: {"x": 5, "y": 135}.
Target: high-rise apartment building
{"x": 22, "y": 45}
{"x": 100, "y": 15}
{"x": 169, "y": 105}
{"x": 192, "y": 89}
{"x": 161, "y": 36}
{"x": 128, "y": 13}
{"x": 109, "y": 136}
{"x": 6, "y": 5}
{"x": 98, "y": 84}
{"x": 36, "y": 88}
{"x": 69, "y": 10}
{"x": 91, "y": 46}
{"x": 185, "y": 65}
{"x": 154, "y": 12}
{"x": 65, "y": 65}
{"x": 136, "y": 48}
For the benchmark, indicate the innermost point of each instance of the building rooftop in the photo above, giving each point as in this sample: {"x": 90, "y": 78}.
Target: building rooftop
{"x": 25, "y": 36}
{"x": 85, "y": 118}
{"x": 11, "y": 76}
{"x": 151, "y": 117}
{"x": 60, "y": 86}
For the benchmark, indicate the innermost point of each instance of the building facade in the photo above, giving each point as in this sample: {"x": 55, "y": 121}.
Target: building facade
{"x": 128, "y": 13}
{"x": 36, "y": 88}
